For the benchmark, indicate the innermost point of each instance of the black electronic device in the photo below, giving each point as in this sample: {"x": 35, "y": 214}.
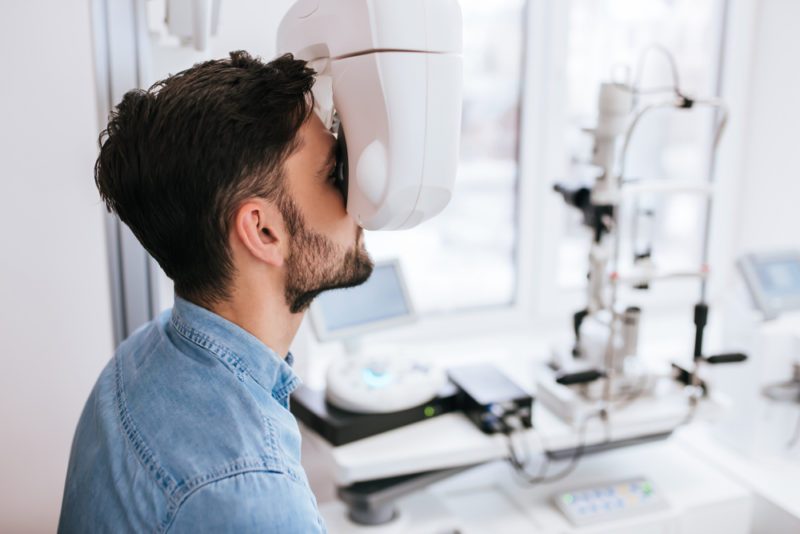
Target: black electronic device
{"x": 489, "y": 398}
{"x": 340, "y": 427}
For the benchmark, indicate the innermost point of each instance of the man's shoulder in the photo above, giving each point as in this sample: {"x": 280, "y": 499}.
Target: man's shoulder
{"x": 185, "y": 412}
{"x": 250, "y": 501}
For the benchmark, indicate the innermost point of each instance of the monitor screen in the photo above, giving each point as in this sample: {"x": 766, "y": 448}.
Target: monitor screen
{"x": 774, "y": 280}
{"x": 780, "y": 277}
{"x": 379, "y": 300}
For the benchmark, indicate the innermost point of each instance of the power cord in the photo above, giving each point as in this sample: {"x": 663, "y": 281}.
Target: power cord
{"x": 675, "y": 88}
{"x": 513, "y": 426}
{"x": 694, "y": 401}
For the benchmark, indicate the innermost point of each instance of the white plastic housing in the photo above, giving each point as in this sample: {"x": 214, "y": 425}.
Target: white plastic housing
{"x": 615, "y": 103}
{"x": 395, "y": 69}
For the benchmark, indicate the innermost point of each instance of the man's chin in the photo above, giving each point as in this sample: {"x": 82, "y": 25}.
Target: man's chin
{"x": 356, "y": 269}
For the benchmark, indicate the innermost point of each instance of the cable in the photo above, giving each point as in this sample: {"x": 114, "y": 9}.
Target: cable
{"x": 694, "y": 401}
{"x": 673, "y": 69}
{"x": 541, "y": 476}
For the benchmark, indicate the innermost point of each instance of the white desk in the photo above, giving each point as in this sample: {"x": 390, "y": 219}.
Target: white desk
{"x": 773, "y": 480}
{"x": 751, "y": 441}
{"x": 489, "y": 499}
{"x": 486, "y": 499}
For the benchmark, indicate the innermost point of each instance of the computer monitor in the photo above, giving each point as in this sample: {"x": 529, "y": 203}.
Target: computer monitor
{"x": 774, "y": 280}
{"x": 379, "y": 303}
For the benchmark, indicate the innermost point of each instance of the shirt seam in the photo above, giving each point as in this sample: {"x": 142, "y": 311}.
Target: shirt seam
{"x": 206, "y": 342}
{"x": 144, "y": 454}
{"x": 212, "y": 478}
{"x": 285, "y": 390}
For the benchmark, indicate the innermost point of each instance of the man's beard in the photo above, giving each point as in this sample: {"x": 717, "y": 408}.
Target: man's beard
{"x": 315, "y": 264}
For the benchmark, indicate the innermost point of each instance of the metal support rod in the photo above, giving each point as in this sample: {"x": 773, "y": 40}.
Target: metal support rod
{"x": 721, "y": 110}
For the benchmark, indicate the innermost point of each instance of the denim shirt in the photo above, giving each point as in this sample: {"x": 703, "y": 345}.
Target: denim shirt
{"x": 188, "y": 430}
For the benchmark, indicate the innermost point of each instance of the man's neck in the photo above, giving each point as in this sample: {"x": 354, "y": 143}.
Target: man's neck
{"x": 268, "y": 319}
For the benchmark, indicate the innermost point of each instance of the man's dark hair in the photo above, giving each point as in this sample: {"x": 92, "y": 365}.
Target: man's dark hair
{"x": 177, "y": 160}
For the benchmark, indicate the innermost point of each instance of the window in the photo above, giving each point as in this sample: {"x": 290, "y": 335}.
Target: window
{"x": 465, "y": 258}
{"x": 506, "y": 241}
{"x": 603, "y": 36}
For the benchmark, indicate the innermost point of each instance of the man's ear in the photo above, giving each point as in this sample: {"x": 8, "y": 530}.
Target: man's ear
{"x": 258, "y": 226}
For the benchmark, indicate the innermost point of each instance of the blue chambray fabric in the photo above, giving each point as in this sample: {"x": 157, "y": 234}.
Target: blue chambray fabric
{"x": 188, "y": 430}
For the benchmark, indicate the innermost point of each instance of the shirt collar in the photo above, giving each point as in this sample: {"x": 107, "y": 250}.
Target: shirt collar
{"x": 239, "y": 350}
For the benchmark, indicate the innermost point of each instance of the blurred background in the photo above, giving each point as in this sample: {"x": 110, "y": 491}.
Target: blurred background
{"x": 507, "y": 255}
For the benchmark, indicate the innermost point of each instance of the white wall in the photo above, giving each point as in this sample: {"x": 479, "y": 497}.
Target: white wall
{"x": 55, "y": 327}
{"x": 769, "y": 210}
{"x": 250, "y": 25}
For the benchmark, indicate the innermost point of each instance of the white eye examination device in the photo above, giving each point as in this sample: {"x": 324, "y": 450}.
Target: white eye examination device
{"x": 392, "y": 71}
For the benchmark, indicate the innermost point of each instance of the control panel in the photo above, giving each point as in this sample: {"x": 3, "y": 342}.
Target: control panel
{"x": 614, "y": 501}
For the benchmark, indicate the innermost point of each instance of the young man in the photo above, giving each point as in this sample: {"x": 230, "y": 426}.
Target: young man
{"x": 224, "y": 174}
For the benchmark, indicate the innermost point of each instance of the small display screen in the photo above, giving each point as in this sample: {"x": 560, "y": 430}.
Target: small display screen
{"x": 379, "y": 299}
{"x": 779, "y": 277}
